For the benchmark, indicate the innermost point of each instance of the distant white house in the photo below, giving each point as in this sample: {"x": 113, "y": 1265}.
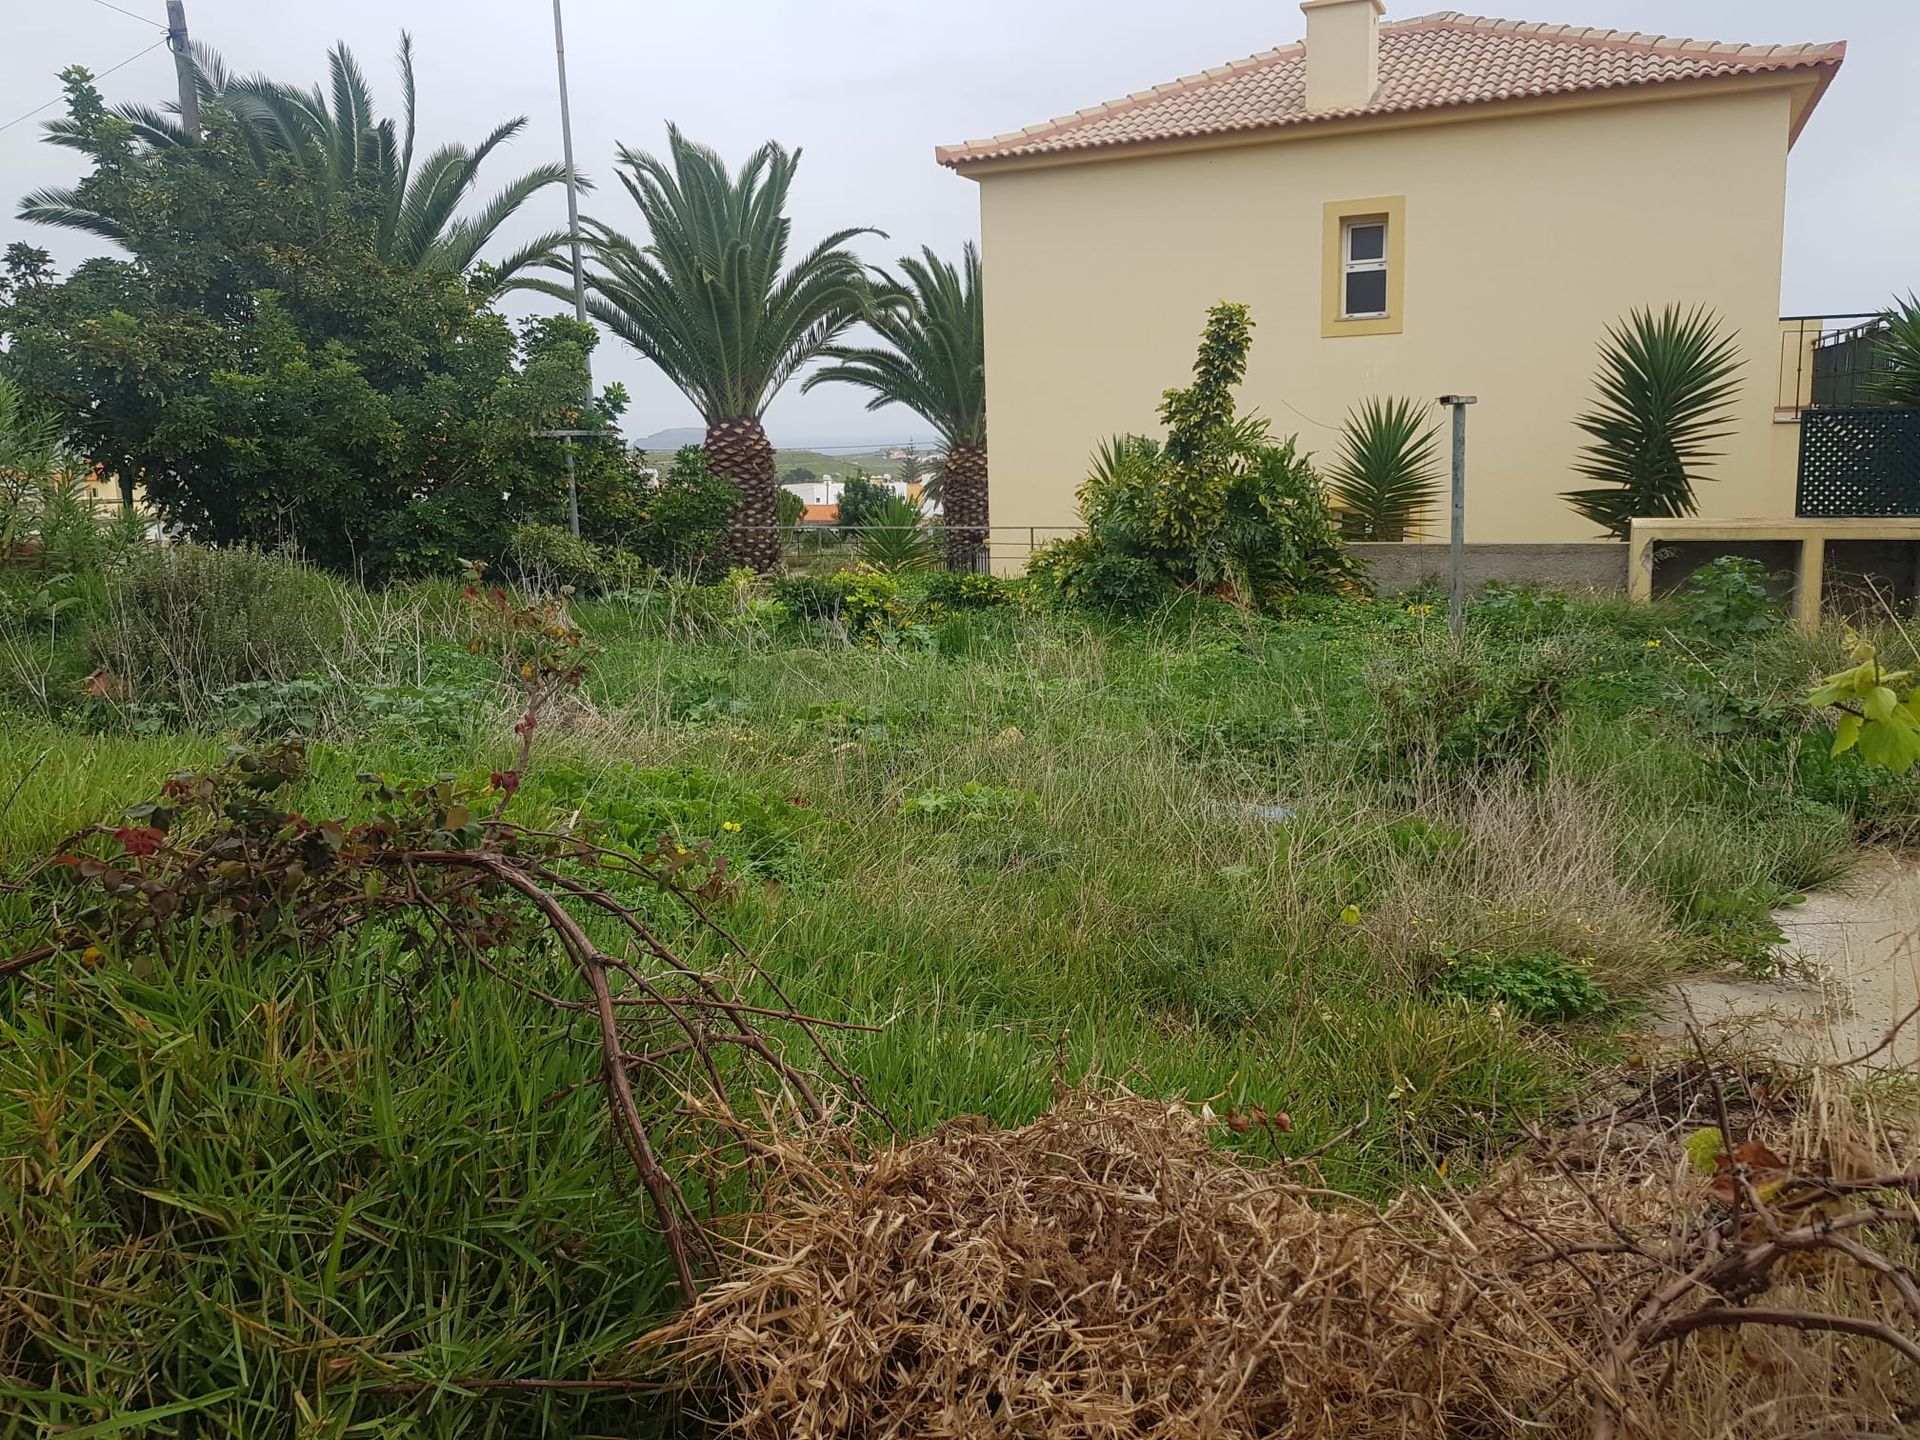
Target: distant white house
{"x": 822, "y": 491}
{"x": 821, "y": 495}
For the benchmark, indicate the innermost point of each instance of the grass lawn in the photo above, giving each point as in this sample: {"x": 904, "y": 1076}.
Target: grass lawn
{"x": 1406, "y": 891}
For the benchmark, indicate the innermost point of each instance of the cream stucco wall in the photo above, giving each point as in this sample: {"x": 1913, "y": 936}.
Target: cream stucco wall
{"x": 1525, "y": 238}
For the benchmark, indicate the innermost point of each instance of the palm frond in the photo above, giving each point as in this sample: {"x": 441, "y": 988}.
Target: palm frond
{"x": 352, "y": 116}
{"x": 934, "y": 358}
{"x": 509, "y": 272}
{"x": 1897, "y": 377}
{"x": 459, "y": 245}
{"x": 710, "y": 297}
{"x": 895, "y": 539}
{"x": 154, "y": 127}
{"x": 62, "y": 206}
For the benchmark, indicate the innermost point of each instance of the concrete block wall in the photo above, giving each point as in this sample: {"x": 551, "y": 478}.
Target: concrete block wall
{"x": 1577, "y": 565}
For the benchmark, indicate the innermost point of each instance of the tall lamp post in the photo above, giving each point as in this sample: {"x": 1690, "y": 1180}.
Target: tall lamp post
{"x": 573, "y": 240}
{"x": 1457, "y": 601}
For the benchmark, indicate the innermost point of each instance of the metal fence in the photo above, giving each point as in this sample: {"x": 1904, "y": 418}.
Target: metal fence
{"x": 810, "y": 549}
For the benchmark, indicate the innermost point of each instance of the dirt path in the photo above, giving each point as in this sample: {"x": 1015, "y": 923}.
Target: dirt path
{"x": 1853, "y": 970}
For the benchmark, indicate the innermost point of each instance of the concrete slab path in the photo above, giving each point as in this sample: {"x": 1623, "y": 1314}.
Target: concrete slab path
{"x": 1852, "y": 971}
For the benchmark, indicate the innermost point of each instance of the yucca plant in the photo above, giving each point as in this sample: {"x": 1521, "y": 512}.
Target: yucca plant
{"x": 934, "y": 363}
{"x": 1897, "y": 381}
{"x": 1387, "y": 472}
{"x": 1667, "y": 385}
{"x": 896, "y": 538}
{"x": 711, "y": 300}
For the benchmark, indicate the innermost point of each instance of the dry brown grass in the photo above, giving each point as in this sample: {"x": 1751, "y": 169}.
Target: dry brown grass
{"x": 1106, "y": 1272}
{"x": 1537, "y": 870}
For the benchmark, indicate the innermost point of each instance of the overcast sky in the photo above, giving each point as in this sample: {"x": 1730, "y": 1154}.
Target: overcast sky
{"x": 868, "y": 88}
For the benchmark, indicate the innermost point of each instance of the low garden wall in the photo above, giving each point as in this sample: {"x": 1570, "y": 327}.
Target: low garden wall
{"x": 1582, "y": 565}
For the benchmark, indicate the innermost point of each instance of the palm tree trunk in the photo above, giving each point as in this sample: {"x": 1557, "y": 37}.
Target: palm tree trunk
{"x": 964, "y": 497}
{"x": 740, "y": 450}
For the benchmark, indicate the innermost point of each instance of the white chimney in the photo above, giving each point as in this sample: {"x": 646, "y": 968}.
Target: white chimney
{"x": 1343, "y": 53}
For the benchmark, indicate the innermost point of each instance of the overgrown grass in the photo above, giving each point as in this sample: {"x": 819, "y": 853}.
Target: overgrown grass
{"x": 1207, "y": 855}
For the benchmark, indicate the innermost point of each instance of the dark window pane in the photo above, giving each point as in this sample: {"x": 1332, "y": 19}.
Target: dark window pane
{"x": 1367, "y": 292}
{"x": 1367, "y": 242}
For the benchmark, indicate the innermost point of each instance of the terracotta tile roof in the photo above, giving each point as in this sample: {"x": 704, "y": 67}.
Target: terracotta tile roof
{"x": 1435, "y": 61}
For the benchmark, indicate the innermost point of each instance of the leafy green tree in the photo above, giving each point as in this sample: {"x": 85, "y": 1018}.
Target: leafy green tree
{"x": 861, "y": 499}
{"x": 1667, "y": 384}
{"x": 681, "y": 522}
{"x": 710, "y": 299}
{"x": 1199, "y": 419}
{"x": 333, "y": 141}
{"x": 798, "y": 475}
{"x": 1897, "y": 380}
{"x": 1218, "y": 507}
{"x": 268, "y": 378}
{"x": 933, "y": 361}
{"x": 1387, "y": 473}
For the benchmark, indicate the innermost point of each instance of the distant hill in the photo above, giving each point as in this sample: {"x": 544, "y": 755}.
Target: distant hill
{"x": 837, "y": 461}
{"x": 785, "y": 460}
{"x": 676, "y": 436}
{"x": 671, "y": 439}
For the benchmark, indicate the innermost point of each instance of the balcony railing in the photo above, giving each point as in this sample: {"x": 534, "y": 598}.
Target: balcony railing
{"x": 1828, "y": 360}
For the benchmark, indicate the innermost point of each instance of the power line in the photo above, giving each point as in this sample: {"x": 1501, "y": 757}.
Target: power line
{"x": 22, "y": 119}
{"x": 864, "y": 447}
{"x": 144, "y": 20}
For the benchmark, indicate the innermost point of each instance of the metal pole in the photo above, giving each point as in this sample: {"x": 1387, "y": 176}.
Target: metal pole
{"x": 573, "y": 492}
{"x": 183, "y": 68}
{"x": 1457, "y": 601}
{"x": 573, "y": 240}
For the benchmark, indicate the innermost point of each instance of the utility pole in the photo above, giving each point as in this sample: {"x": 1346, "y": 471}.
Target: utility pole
{"x": 573, "y": 240}
{"x": 1457, "y": 602}
{"x": 183, "y": 67}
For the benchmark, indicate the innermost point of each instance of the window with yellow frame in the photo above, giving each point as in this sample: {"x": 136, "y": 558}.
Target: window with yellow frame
{"x": 1363, "y": 287}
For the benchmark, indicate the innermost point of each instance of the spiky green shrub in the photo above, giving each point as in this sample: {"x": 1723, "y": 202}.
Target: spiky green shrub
{"x": 897, "y": 538}
{"x": 1666, "y": 388}
{"x": 1387, "y": 472}
{"x": 1898, "y": 379}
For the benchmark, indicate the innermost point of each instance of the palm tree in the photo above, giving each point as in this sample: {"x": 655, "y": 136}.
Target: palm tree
{"x": 332, "y": 137}
{"x": 934, "y": 363}
{"x": 1387, "y": 473}
{"x": 711, "y": 300}
{"x": 1666, "y": 385}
